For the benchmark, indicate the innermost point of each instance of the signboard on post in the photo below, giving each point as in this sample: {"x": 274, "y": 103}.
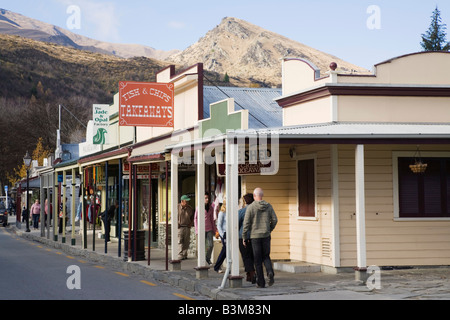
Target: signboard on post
{"x": 252, "y": 160}
{"x": 101, "y": 123}
{"x": 146, "y": 104}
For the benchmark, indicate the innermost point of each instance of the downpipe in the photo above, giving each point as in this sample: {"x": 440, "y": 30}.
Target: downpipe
{"x": 227, "y": 271}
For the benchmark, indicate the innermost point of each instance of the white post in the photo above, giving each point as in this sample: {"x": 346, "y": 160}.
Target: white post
{"x": 335, "y": 205}
{"x": 174, "y": 199}
{"x": 232, "y": 206}
{"x": 201, "y": 209}
{"x": 360, "y": 207}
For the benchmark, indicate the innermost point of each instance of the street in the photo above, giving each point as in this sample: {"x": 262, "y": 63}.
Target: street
{"x": 30, "y": 271}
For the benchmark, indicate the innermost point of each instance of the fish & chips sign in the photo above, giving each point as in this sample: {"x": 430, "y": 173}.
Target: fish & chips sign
{"x": 146, "y": 104}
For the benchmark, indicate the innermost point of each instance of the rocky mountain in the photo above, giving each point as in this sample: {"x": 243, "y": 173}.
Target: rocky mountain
{"x": 16, "y": 24}
{"x": 248, "y": 54}
{"x": 244, "y": 50}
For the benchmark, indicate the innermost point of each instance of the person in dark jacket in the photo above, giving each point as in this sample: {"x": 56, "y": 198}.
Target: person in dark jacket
{"x": 24, "y": 214}
{"x": 260, "y": 220}
{"x": 106, "y": 217}
{"x": 246, "y": 250}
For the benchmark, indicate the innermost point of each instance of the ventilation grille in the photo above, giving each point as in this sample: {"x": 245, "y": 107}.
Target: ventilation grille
{"x": 326, "y": 248}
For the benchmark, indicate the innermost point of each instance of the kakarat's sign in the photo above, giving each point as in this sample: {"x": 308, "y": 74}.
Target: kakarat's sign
{"x": 146, "y": 104}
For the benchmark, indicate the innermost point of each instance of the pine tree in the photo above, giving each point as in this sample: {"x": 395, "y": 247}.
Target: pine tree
{"x": 226, "y": 78}
{"x": 435, "y": 38}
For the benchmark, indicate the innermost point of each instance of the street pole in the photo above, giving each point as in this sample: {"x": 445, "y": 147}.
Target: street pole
{"x": 28, "y": 203}
{"x": 27, "y": 161}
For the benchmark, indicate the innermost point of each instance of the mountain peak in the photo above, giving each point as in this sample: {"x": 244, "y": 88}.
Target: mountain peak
{"x": 244, "y": 50}
{"x": 234, "y": 47}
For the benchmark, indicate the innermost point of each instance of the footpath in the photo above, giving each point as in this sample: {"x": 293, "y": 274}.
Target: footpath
{"x": 293, "y": 280}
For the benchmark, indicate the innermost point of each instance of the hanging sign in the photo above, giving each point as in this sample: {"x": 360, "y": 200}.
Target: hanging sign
{"x": 251, "y": 160}
{"x": 146, "y": 104}
{"x": 101, "y": 124}
{"x": 141, "y": 169}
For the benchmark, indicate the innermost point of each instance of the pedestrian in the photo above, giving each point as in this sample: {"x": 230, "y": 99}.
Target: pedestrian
{"x": 24, "y": 214}
{"x": 106, "y": 217}
{"x": 185, "y": 223}
{"x": 36, "y": 213}
{"x": 222, "y": 228}
{"x": 246, "y": 250}
{"x": 46, "y": 212}
{"x": 61, "y": 216}
{"x": 210, "y": 227}
{"x": 260, "y": 220}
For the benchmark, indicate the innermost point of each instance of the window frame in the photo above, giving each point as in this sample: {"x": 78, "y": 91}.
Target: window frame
{"x": 396, "y": 187}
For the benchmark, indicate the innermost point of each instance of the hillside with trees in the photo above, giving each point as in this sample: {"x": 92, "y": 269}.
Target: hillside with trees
{"x": 35, "y": 77}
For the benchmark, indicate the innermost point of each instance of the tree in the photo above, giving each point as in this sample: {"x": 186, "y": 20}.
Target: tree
{"x": 226, "y": 78}
{"x": 39, "y": 154}
{"x": 435, "y": 38}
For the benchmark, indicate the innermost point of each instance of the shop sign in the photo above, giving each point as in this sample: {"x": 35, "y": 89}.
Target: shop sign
{"x": 101, "y": 124}
{"x": 250, "y": 161}
{"x": 142, "y": 176}
{"x": 141, "y": 168}
{"x": 146, "y": 104}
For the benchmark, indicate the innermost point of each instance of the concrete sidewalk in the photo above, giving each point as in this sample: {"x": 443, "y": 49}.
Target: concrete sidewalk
{"x": 293, "y": 281}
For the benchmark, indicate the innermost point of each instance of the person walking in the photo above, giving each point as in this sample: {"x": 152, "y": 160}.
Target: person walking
{"x": 36, "y": 213}
{"x": 246, "y": 250}
{"x": 61, "y": 217}
{"x": 185, "y": 223}
{"x": 24, "y": 213}
{"x": 106, "y": 217}
{"x": 260, "y": 220}
{"x": 210, "y": 227}
{"x": 222, "y": 228}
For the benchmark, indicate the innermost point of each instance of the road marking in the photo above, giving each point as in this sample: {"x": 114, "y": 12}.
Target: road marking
{"x": 82, "y": 261}
{"x": 149, "y": 283}
{"x": 70, "y": 257}
{"x": 58, "y": 252}
{"x": 99, "y": 267}
{"x": 183, "y": 296}
{"x": 122, "y": 274}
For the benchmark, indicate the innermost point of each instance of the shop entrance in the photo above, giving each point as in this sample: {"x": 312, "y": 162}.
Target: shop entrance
{"x": 144, "y": 221}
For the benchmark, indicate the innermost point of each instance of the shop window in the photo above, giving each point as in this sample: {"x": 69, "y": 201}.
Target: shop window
{"x": 427, "y": 194}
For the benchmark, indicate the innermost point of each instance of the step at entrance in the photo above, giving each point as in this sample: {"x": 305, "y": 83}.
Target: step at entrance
{"x": 296, "y": 267}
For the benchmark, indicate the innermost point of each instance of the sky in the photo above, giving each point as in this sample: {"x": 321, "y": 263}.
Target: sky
{"x": 362, "y": 32}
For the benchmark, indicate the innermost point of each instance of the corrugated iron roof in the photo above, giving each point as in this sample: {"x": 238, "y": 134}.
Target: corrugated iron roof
{"x": 360, "y": 129}
{"x": 264, "y": 112}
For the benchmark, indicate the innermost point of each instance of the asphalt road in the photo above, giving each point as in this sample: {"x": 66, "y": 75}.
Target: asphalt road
{"x": 30, "y": 271}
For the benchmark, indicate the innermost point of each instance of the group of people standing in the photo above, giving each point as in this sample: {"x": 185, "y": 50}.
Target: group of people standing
{"x": 35, "y": 212}
{"x": 257, "y": 220}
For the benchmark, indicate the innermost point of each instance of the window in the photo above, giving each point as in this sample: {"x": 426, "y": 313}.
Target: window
{"x": 425, "y": 195}
{"x": 306, "y": 188}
